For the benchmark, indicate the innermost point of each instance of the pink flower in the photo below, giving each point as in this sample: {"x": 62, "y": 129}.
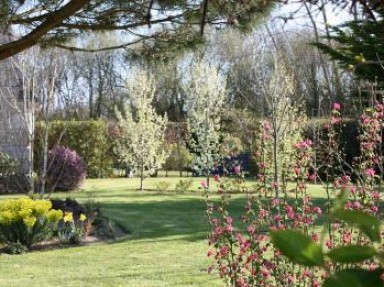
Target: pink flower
{"x": 306, "y": 273}
{"x": 315, "y": 237}
{"x": 374, "y": 208}
{"x": 356, "y": 205}
{"x": 311, "y": 177}
{"x": 317, "y": 210}
{"x": 307, "y": 143}
{"x": 224, "y": 250}
{"x": 251, "y": 229}
{"x": 336, "y": 106}
{"x": 329, "y": 244}
{"x": 375, "y": 195}
{"x": 266, "y": 126}
{"x": 217, "y": 178}
{"x": 348, "y": 205}
{"x": 265, "y": 272}
{"x": 237, "y": 169}
{"x": 275, "y": 202}
{"x": 335, "y": 120}
{"x": 228, "y": 220}
{"x": 352, "y": 189}
{"x": 262, "y": 213}
{"x": 347, "y": 237}
{"x": 204, "y": 184}
{"x": 370, "y": 172}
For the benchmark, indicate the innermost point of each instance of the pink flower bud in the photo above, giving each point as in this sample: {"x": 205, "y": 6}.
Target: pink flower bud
{"x": 336, "y": 106}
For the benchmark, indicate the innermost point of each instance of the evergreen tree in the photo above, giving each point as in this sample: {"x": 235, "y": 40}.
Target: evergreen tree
{"x": 359, "y": 47}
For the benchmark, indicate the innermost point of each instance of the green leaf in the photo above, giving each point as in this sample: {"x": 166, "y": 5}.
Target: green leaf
{"x": 351, "y": 253}
{"x": 368, "y": 224}
{"x": 298, "y": 247}
{"x": 355, "y": 278}
{"x": 341, "y": 200}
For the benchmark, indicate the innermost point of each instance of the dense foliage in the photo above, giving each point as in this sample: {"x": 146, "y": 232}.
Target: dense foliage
{"x": 141, "y": 144}
{"x": 176, "y": 22}
{"x": 12, "y": 178}
{"x": 90, "y": 139}
{"x": 66, "y": 169}
{"x": 344, "y": 252}
{"x": 27, "y": 221}
{"x": 359, "y": 47}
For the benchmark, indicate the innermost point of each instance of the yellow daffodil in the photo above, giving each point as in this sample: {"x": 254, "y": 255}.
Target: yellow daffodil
{"x": 82, "y": 217}
{"x": 68, "y": 217}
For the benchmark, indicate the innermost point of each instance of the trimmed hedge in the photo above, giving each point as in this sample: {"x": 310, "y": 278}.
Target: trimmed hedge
{"x": 90, "y": 140}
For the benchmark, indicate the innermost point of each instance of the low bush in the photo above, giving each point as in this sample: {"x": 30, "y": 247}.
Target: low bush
{"x": 66, "y": 170}
{"x": 26, "y": 221}
{"x": 183, "y": 185}
{"x": 162, "y": 186}
{"x": 12, "y": 177}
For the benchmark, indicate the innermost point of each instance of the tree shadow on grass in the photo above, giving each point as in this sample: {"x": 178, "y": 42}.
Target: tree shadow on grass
{"x": 185, "y": 218}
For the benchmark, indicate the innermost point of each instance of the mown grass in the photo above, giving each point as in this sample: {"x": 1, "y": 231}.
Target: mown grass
{"x": 166, "y": 244}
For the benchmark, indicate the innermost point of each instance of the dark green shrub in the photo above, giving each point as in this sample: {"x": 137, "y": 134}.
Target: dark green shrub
{"x": 66, "y": 169}
{"x": 12, "y": 178}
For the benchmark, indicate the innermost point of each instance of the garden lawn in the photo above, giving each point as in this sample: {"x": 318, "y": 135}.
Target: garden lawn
{"x": 166, "y": 247}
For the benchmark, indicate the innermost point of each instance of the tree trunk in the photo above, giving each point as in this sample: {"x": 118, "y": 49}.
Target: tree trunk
{"x": 141, "y": 177}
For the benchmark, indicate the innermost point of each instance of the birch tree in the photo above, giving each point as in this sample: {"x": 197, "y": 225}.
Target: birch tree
{"x": 205, "y": 92}
{"x": 143, "y": 131}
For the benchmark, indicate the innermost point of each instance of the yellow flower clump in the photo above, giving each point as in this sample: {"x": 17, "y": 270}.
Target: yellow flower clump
{"x": 68, "y": 217}
{"x": 82, "y": 217}
{"x": 28, "y": 211}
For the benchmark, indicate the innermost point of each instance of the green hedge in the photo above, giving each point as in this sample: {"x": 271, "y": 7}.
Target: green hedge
{"x": 90, "y": 139}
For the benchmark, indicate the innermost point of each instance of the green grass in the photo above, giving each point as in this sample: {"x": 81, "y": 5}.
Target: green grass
{"x": 166, "y": 245}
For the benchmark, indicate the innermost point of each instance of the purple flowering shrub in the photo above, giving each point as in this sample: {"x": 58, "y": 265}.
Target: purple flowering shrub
{"x": 66, "y": 169}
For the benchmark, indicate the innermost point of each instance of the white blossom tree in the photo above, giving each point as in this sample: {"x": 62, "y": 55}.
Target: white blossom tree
{"x": 205, "y": 92}
{"x": 142, "y": 130}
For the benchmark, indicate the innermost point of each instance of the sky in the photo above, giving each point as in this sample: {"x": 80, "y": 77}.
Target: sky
{"x": 300, "y": 17}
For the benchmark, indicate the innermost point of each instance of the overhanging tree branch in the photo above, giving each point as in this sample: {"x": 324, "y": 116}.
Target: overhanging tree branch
{"x": 32, "y": 38}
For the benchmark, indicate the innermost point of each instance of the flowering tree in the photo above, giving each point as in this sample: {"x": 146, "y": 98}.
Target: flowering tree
{"x": 346, "y": 251}
{"x": 143, "y": 131}
{"x": 205, "y": 98}
{"x": 282, "y": 127}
